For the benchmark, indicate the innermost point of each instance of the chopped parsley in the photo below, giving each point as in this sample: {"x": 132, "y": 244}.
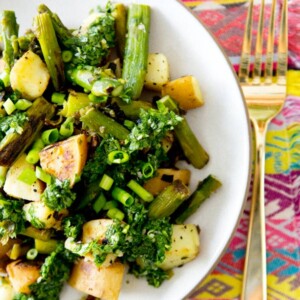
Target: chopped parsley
{"x": 92, "y": 43}
{"x": 58, "y": 195}
{"x": 11, "y": 218}
{"x": 55, "y": 271}
{"x": 72, "y": 225}
{"x": 153, "y": 125}
{"x": 12, "y": 123}
{"x": 137, "y": 239}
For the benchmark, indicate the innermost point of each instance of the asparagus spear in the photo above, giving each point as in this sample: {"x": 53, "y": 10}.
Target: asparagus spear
{"x": 14, "y": 143}
{"x": 204, "y": 190}
{"x": 9, "y": 29}
{"x": 120, "y": 15}
{"x": 63, "y": 33}
{"x": 168, "y": 200}
{"x": 95, "y": 80}
{"x": 91, "y": 191}
{"x": 41, "y": 234}
{"x": 51, "y": 51}
{"x": 136, "y": 48}
{"x": 103, "y": 125}
{"x": 190, "y": 145}
{"x": 132, "y": 110}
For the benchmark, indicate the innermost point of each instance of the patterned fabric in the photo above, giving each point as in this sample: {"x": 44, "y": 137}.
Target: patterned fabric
{"x": 225, "y": 19}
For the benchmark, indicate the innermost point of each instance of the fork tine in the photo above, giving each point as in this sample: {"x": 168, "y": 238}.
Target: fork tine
{"x": 282, "y": 45}
{"x": 270, "y": 46}
{"x": 246, "y": 48}
{"x": 259, "y": 45}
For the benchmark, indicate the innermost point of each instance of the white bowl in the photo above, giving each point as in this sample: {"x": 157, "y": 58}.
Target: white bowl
{"x": 222, "y": 126}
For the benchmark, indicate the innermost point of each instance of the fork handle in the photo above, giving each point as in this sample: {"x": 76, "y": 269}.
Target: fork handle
{"x": 258, "y": 195}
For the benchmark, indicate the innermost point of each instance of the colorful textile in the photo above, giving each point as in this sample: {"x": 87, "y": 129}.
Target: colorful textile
{"x": 226, "y": 19}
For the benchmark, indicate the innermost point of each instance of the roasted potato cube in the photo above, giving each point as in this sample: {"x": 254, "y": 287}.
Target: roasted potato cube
{"x": 30, "y": 76}
{"x": 18, "y": 189}
{"x": 95, "y": 230}
{"x": 158, "y": 72}
{"x": 185, "y": 91}
{"x": 6, "y": 289}
{"x": 22, "y": 274}
{"x": 7, "y": 246}
{"x": 104, "y": 282}
{"x": 184, "y": 247}
{"x": 65, "y": 159}
{"x": 42, "y": 217}
{"x": 164, "y": 178}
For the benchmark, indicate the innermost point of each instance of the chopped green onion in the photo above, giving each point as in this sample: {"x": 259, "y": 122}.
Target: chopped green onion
{"x": 67, "y": 56}
{"x": 97, "y": 99}
{"x": 67, "y": 127}
{"x": 27, "y": 176}
{"x": 122, "y": 196}
{"x": 23, "y": 104}
{"x": 3, "y": 171}
{"x": 147, "y": 170}
{"x": 38, "y": 144}
{"x": 58, "y": 98}
{"x": 140, "y": 191}
{"x": 110, "y": 204}
{"x": 42, "y": 175}
{"x": 99, "y": 203}
{"x": 118, "y": 157}
{"x": 9, "y": 106}
{"x": 115, "y": 213}
{"x": 32, "y": 254}
{"x": 33, "y": 156}
{"x": 50, "y": 136}
{"x": 106, "y": 182}
{"x": 129, "y": 124}
{"x": 77, "y": 178}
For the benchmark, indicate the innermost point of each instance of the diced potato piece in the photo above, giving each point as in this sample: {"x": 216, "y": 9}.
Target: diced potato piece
{"x": 22, "y": 275}
{"x": 65, "y": 159}
{"x": 95, "y": 230}
{"x": 42, "y": 217}
{"x": 18, "y": 189}
{"x": 104, "y": 283}
{"x": 17, "y": 251}
{"x": 164, "y": 178}
{"x": 6, "y": 247}
{"x": 6, "y": 289}
{"x": 158, "y": 72}
{"x": 30, "y": 76}
{"x": 4, "y": 252}
{"x": 185, "y": 91}
{"x": 184, "y": 248}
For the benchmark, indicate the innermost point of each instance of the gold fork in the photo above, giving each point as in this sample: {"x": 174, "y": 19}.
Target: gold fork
{"x": 265, "y": 98}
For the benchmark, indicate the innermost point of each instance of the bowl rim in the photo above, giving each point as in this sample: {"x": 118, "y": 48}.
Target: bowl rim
{"x": 243, "y": 206}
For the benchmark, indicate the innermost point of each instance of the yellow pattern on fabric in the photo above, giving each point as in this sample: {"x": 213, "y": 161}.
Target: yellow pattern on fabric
{"x": 284, "y": 144}
{"x": 293, "y": 80}
{"x": 285, "y": 149}
{"x": 195, "y": 3}
{"x": 219, "y": 286}
{"x": 282, "y": 290}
